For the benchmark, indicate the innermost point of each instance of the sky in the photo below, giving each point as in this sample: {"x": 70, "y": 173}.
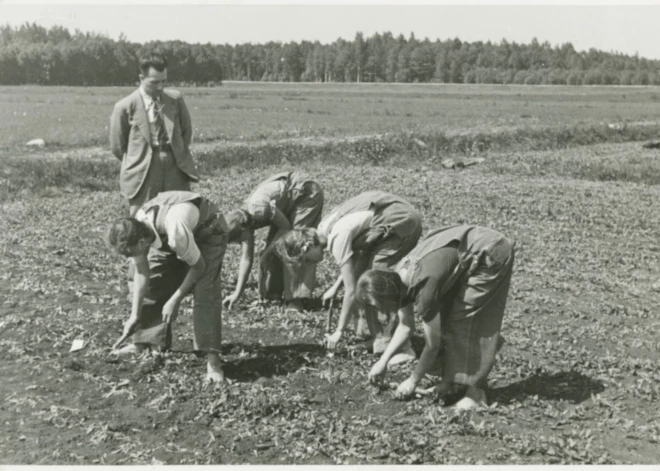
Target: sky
{"x": 629, "y": 28}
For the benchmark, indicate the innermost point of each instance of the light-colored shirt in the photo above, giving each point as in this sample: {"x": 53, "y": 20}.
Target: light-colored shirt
{"x": 262, "y": 203}
{"x": 179, "y": 223}
{"x": 150, "y": 104}
{"x": 344, "y": 232}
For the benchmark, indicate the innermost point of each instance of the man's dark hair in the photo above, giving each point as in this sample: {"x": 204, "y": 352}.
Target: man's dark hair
{"x": 125, "y": 233}
{"x": 153, "y": 59}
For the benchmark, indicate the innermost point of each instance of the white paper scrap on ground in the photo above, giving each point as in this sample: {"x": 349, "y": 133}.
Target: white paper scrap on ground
{"x": 78, "y": 344}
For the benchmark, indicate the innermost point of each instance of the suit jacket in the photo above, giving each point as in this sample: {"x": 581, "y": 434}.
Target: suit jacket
{"x": 130, "y": 138}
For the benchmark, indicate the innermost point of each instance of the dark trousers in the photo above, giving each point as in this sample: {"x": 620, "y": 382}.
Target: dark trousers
{"x": 163, "y": 175}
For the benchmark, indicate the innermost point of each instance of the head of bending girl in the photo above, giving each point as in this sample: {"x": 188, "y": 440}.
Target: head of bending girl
{"x": 381, "y": 290}
{"x": 301, "y": 245}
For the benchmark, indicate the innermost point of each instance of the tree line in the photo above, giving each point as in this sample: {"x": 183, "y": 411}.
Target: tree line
{"x": 32, "y": 54}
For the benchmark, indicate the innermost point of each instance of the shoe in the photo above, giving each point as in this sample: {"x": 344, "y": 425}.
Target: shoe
{"x": 132, "y": 349}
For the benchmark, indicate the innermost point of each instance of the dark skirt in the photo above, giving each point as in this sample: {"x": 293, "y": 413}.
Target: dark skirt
{"x": 472, "y": 314}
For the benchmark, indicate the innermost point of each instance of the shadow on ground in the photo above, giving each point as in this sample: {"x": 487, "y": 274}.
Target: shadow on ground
{"x": 570, "y": 386}
{"x": 268, "y": 361}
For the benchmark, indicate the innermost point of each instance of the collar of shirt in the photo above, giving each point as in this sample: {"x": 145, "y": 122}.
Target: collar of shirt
{"x": 148, "y": 101}
{"x": 148, "y": 219}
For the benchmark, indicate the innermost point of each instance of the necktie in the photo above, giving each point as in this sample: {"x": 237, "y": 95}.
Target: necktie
{"x": 161, "y": 132}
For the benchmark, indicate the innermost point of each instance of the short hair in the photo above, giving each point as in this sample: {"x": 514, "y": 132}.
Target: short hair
{"x": 153, "y": 59}
{"x": 125, "y": 233}
{"x": 292, "y": 246}
{"x": 237, "y": 220}
{"x": 380, "y": 288}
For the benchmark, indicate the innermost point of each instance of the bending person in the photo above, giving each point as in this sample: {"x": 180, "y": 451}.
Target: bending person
{"x": 177, "y": 241}
{"x": 282, "y": 202}
{"x": 373, "y": 229}
{"x": 457, "y": 281}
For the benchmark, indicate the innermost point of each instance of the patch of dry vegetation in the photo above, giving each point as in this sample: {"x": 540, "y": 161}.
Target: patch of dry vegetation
{"x": 576, "y": 382}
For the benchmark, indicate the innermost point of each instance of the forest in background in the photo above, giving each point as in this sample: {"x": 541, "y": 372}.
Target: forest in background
{"x": 32, "y": 54}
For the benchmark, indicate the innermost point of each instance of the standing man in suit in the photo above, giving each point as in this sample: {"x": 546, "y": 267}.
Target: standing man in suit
{"x": 150, "y": 131}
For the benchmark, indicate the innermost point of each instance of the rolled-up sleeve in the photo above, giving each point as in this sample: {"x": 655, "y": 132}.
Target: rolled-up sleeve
{"x": 427, "y": 301}
{"x": 179, "y": 223}
{"x": 344, "y": 232}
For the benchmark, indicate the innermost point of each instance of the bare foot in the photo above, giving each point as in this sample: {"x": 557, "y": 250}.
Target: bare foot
{"x": 466, "y": 403}
{"x": 131, "y": 349}
{"x": 474, "y": 397}
{"x": 214, "y": 371}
